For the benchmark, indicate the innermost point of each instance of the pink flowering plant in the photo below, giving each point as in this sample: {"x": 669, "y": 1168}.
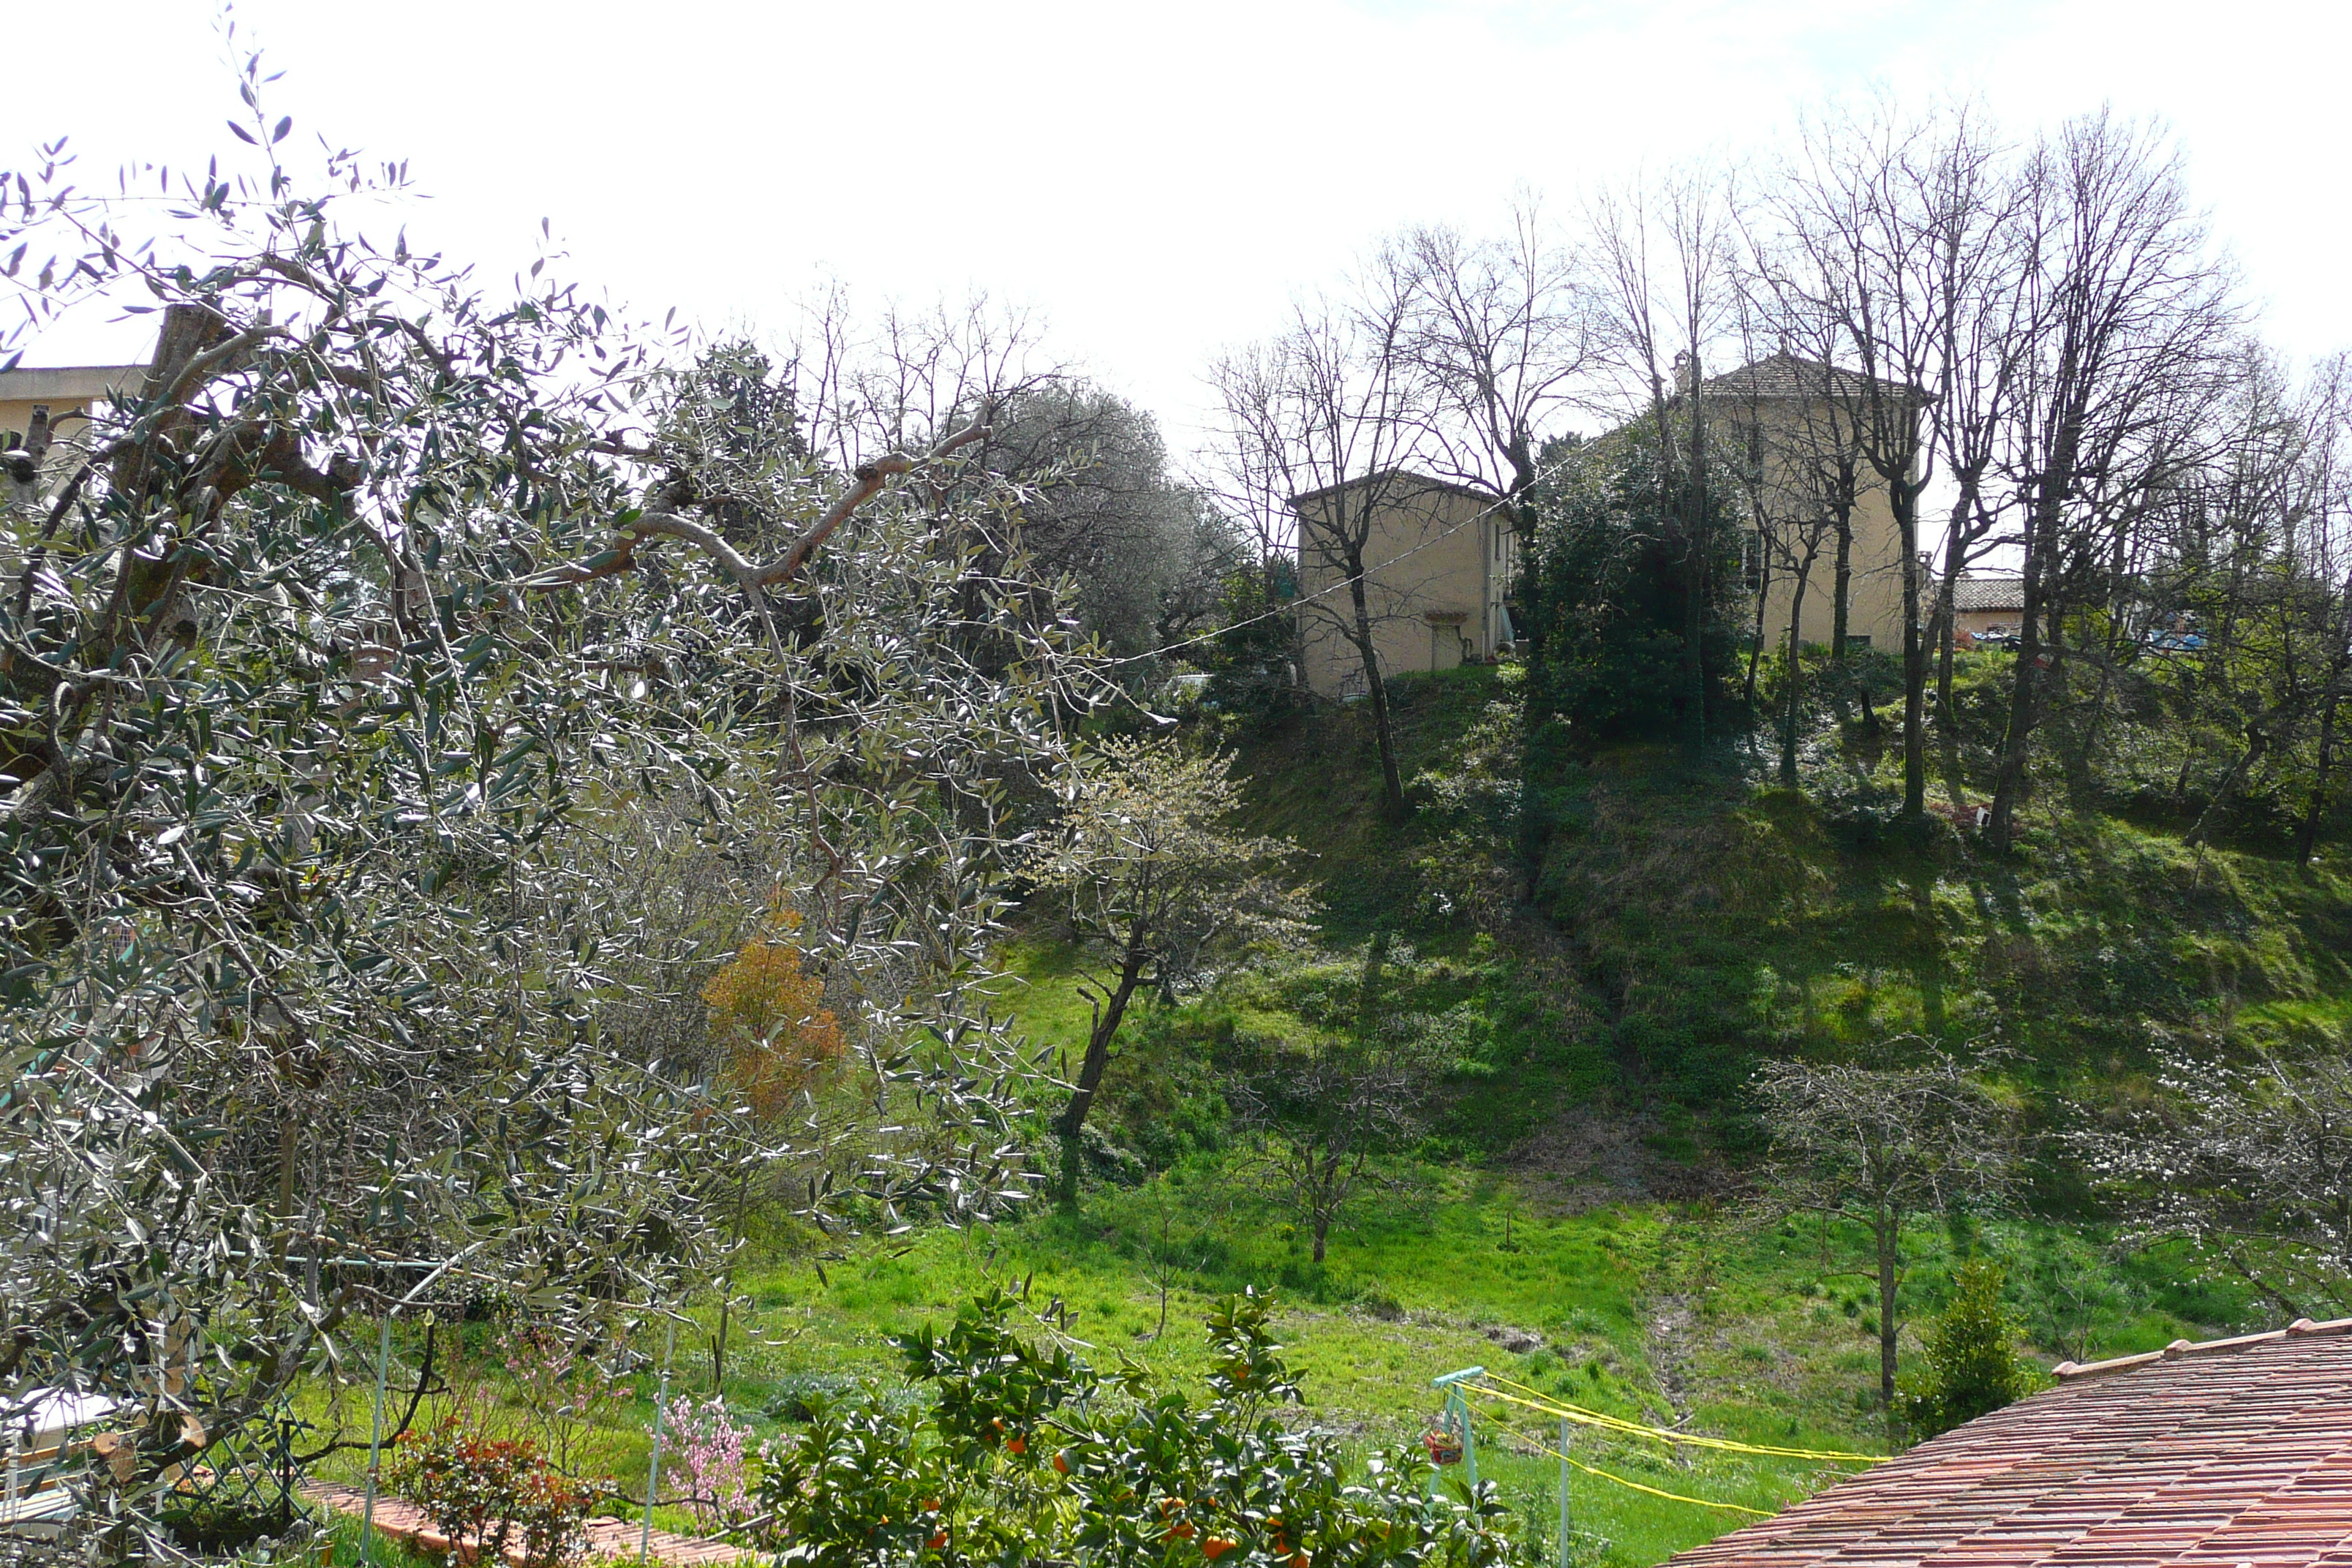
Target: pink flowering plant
{"x": 708, "y": 1446}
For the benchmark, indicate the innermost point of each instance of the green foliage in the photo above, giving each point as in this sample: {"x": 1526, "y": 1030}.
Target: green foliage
{"x": 477, "y": 1489}
{"x": 1973, "y": 1367}
{"x": 1022, "y": 1454}
{"x": 1607, "y": 591}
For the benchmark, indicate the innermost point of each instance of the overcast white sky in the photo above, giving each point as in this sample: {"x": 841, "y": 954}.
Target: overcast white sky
{"x": 1156, "y": 181}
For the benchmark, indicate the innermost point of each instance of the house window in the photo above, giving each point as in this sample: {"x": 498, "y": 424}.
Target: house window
{"x": 1857, "y": 642}
{"x": 1751, "y": 561}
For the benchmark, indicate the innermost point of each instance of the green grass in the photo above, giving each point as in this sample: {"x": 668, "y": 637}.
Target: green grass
{"x": 1580, "y": 1182}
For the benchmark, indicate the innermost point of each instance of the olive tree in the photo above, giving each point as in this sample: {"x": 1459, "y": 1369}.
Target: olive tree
{"x": 334, "y": 685}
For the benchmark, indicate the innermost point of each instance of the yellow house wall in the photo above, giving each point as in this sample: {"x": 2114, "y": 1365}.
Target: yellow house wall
{"x": 1874, "y": 595}
{"x": 1431, "y": 553}
{"x": 68, "y": 393}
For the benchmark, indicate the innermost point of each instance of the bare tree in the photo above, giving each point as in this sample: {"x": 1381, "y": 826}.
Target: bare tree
{"x": 1322, "y": 428}
{"x": 2129, "y": 313}
{"x": 1322, "y": 1111}
{"x": 1881, "y": 1145}
{"x": 1504, "y": 329}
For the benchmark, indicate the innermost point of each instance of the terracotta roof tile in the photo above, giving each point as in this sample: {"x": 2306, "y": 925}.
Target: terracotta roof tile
{"x": 2199, "y": 1456}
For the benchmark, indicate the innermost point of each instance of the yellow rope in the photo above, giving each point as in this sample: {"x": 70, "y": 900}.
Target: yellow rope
{"x": 1535, "y": 1399}
{"x": 1637, "y": 1486}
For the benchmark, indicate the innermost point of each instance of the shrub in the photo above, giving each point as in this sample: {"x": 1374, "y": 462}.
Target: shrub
{"x": 477, "y": 1489}
{"x": 1022, "y": 1454}
{"x": 1972, "y": 1360}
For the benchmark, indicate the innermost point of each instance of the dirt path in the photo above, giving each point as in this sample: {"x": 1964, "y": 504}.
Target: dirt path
{"x": 608, "y": 1539}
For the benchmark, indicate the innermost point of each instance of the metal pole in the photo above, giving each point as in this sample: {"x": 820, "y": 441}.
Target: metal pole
{"x": 376, "y": 1442}
{"x": 1469, "y": 1442}
{"x": 1563, "y": 1492}
{"x": 653, "y": 1466}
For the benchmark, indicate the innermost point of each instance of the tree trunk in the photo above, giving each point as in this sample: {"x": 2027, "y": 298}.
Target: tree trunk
{"x": 1068, "y": 1125}
{"x": 1915, "y": 658}
{"x": 1795, "y": 676}
{"x": 1842, "y": 587}
{"x": 2306, "y": 837}
{"x": 1756, "y": 642}
{"x": 2024, "y": 691}
{"x": 1947, "y": 613}
{"x": 1322, "y": 1233}
{"x": 1695, "y": 612}
{"x": 1375, "y": 689}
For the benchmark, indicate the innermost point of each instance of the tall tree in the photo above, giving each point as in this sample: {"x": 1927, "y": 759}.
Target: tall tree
{"x": 1666, "y": 275}
{"x": 2129, "y": 313}
{"x": 1505, "y": 328}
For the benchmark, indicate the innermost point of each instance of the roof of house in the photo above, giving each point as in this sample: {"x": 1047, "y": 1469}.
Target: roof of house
{"x": 2227, "y": 1453}
{"x": 1406, "y": 481}
{"x": 1989, "y": 593}
{"x": 68, "y": 383}
{"x": 1791, "y": 375}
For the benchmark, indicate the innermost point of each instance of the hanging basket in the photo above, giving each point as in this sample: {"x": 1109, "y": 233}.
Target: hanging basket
{"x": 1445, "y": 1448}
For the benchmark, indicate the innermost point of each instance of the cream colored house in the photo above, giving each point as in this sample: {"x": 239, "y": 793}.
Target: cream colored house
{"x": 1777, "y": 415}
{"x": 48, "y": 409}
{"x": 1438, "y": 560}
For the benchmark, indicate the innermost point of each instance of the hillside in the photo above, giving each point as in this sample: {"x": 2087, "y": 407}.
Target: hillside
{"x": 1578, "y": 1217}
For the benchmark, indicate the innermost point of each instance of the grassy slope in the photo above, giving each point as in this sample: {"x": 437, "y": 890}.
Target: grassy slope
{"x": 1575, "y": 1190}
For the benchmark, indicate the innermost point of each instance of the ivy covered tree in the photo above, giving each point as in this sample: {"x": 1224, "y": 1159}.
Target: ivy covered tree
{"x": 1607, "y": 590}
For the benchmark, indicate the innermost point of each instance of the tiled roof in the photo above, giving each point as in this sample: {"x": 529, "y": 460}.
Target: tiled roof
{"x": 2198, "y": 1455}
{"x": 1989, "y": 593}
{"x": 1787, "y": 375}
{"x": 1399, "y": 483}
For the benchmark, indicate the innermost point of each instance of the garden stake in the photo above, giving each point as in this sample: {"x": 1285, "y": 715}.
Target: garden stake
{"x": 653, "y": 1469}
{"x": 375, "y": 1444}
{"x": 1563, "y": 1492}
{"x": 376, "y": 1426}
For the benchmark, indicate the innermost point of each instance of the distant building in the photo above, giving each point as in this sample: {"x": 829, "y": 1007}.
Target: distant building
{"x": 1789, "y": 422}
{"x": 1981, "y": 605}
{"x": 44, "y": 413}
{"x": 1441, "y": 557}
{"x": 1438, "y": 561}
{"x": 2226, "y": 1454}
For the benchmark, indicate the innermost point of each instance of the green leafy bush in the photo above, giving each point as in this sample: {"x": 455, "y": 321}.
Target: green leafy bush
{"x": 1022, "y": 1453}
{"x": 1973, "y": 1367}
{"x": 477, "y": 1489}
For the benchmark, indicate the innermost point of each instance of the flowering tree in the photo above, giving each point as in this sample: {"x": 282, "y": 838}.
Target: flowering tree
{"x": 1157, "y": 887}
{"x": 2250, "y": 1164}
